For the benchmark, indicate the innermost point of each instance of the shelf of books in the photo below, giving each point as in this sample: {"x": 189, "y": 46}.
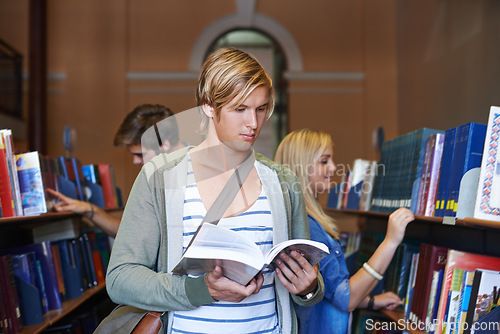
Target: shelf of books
{"x": 52, "y": 317}
{"x": 50, "y": 262}
{"x": 447, "y": 269}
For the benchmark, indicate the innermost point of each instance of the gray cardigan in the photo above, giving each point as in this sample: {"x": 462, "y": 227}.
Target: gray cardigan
{"x": 136, "y": 275}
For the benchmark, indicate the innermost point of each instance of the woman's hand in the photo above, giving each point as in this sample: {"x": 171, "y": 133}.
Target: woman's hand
{"x": 388, "y": 300}
{"x": 299, "y": 277}
{"x": 398, "y": 221}
{"x": 222, "y": 288}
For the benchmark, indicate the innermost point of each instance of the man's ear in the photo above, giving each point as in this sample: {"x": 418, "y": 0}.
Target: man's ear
{"x": 208, "y": 110}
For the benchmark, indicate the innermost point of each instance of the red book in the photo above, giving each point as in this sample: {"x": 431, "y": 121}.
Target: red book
{"x": 422, "y": 271}
{"x": 6, "y": 193}
{"x": 108, "y": 186}
{"x": 465, "y": 261}
{"x": 9, "y": 291}
{"x": 437, "y": 261}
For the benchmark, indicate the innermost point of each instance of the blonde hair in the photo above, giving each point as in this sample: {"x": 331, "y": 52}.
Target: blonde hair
{"x": 298, "y": 150}
{"x": 227, "y": 74}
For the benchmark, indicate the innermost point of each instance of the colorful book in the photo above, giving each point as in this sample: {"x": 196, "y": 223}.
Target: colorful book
{"x": 11, "y": 161}
{"x": 430, "y": 175}
{"x": 411, "y": 285}
{"x": 30, "y": 184}
{"x": 466, "y": 261}
{"x": 488, "y": 192}
{"x": 453, "y": 301}
{"x": 484, "y": 296}
{"x": 6, "y": 189}
{"x": 464, "y": 300}
{"x": 43, "y": 254}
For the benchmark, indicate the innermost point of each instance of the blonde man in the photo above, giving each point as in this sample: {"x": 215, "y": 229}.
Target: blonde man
{"x": 235, "y": 95}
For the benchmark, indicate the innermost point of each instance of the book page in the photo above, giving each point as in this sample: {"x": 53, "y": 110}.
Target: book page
{"x": 313, "y": 251}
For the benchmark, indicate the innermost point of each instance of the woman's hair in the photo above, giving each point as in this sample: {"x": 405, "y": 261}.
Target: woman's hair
{"x": 299, "y": 150}
{"x": 227, "y": 74}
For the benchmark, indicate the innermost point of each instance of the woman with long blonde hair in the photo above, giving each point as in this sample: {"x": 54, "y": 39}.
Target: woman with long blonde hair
{"x": 309, "y": 154}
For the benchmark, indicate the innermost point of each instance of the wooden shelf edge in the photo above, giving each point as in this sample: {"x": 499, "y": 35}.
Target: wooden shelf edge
{"x": 51, "y": 317}
{"x": 399, "y": 318}
{"x": 466, "y": 222}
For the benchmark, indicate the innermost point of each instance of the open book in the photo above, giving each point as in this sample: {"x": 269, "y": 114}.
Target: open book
{"x": 240, "y": 258}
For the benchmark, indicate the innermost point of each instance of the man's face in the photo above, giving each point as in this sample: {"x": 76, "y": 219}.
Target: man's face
{"x": 239, "y": 128}
{"x": 140, "y": 157}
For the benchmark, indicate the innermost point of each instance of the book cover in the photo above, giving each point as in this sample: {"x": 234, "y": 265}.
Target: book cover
{"x": 104, "y": 248}
{"x": 30, "y": 183}
{"x": 10, "y": 292}
{"x": 77, "y": 262}
{"x": 108, "y": 186}
{"x": 43, "y": 253}
{"x": 239, "y": 258}
{"x": 465, "y": 261}
{"x": 6, "y": 189}
{"x": 453, "y": 300}
{"x": 421, "y": 275}
{"x": 437, "y": 261}
{"x": 484, "y": 295}
{"x": 29, "y": 295}
{"x": 71, "y": 275}
{"x": 464, "y": 300}
{"x": 432, "y": 177}
{"x": 79, "y": 179}
{"x": 417, "y": 160}
{"x": 59, "y": 272}
{"x": 488, "y": 193}
{"x": 89, "y": 173}
{"x": 368, "y": 186}
{"x": 88, "y": 260}
{"x": 437, "y": 279}
{"x": 96, "y": 256}
{"x": 11, "y": 161}
{"x": 424, "y": 177}
{"x": 411, "y": 285}
{"x": 467, "y": 155}
{"x": 359, "y": 170}
{"x": 445, "y": 170}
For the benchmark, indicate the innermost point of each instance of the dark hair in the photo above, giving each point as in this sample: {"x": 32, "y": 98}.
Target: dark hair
{"x": 142, "y": 118}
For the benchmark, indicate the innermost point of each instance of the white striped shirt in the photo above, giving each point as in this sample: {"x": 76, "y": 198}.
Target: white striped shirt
{"x": 255, "y": 314}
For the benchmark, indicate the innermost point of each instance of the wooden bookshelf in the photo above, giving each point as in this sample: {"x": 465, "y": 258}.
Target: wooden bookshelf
{"x": 398, "y": 317}
{"x": 468, "y": 234}
{"x": 16, "y": 231}
{"x": 68, "y": 306}
{"x": 466, "y": 222}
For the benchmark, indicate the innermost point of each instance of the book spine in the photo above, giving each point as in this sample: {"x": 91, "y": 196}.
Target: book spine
{"x": 445, "y": 170}
{"x": 435, "y": 164}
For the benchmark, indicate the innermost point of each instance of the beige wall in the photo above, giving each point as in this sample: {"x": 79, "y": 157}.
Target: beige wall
{"x": 360, "y": 62}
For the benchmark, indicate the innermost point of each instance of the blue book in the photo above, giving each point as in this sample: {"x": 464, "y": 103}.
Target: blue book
{"x": 89, "y": 173}
{"x": 29, "y": 296}
{"x": 445, "y": 171}
{"x": 71, "y": 276}
{"x": 468, "y": 152}
{"x": 77, "y": 170}
{"x": 43, "y": 254}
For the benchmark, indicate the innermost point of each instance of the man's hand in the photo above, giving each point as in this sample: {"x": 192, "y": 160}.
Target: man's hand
{"x": 299, "y": 277}
{"x": 222, "y": 288}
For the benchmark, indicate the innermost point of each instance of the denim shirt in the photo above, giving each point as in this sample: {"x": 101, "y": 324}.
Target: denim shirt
{"x": 330, "y": 315}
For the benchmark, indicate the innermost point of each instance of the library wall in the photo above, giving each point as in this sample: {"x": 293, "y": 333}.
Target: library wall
{"x": 361, "y": 63}
{"x": 448, "y": 55}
